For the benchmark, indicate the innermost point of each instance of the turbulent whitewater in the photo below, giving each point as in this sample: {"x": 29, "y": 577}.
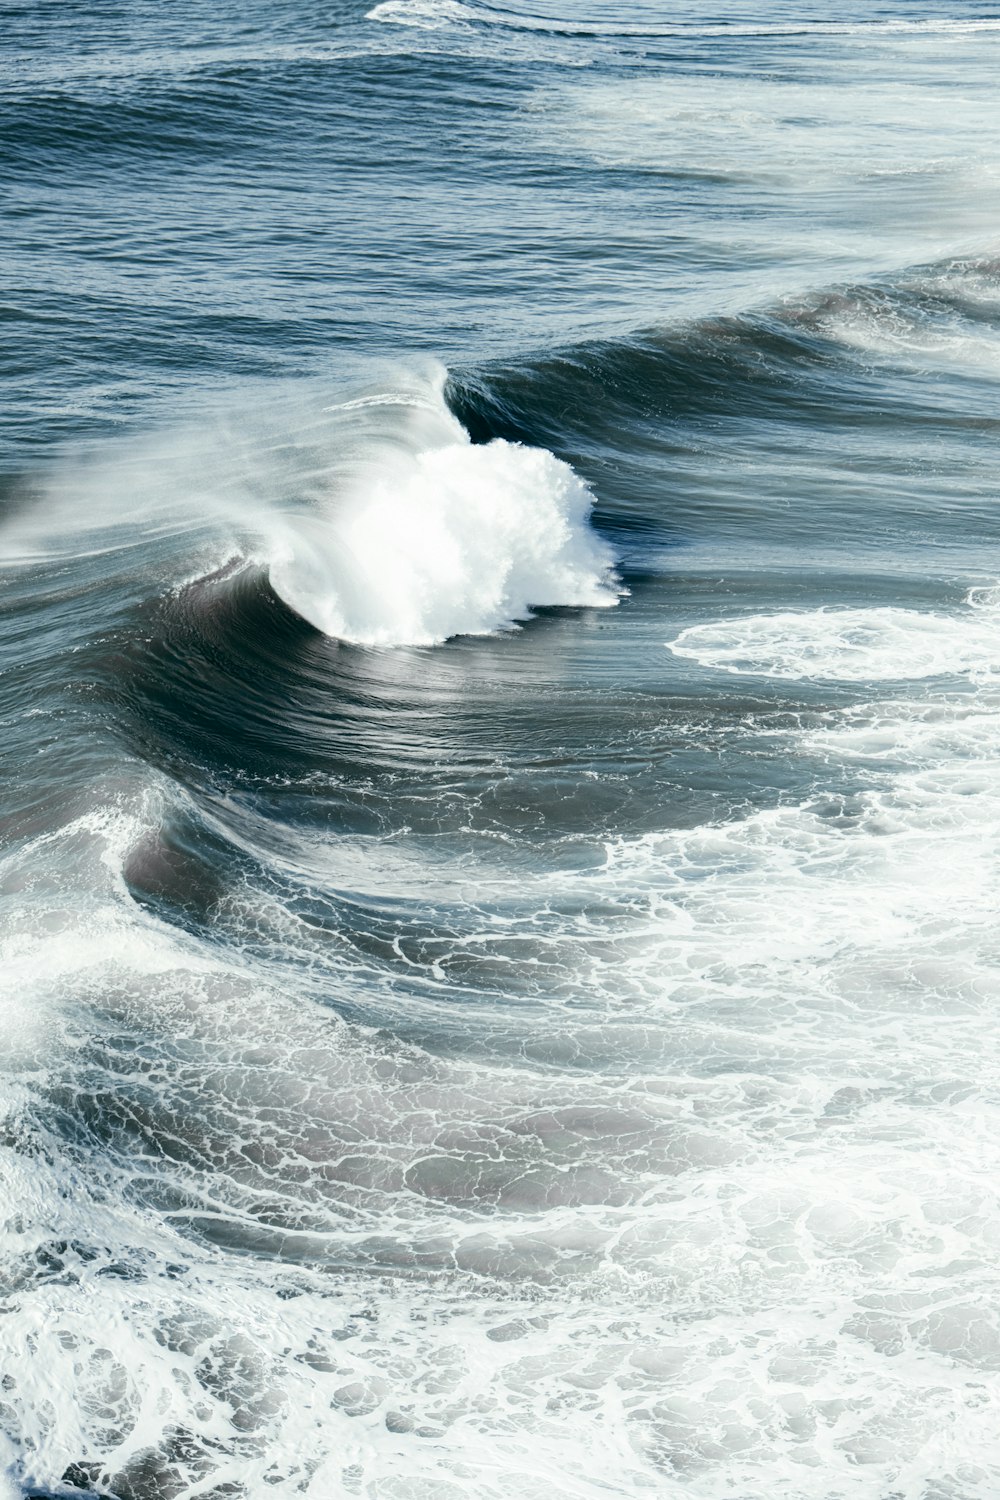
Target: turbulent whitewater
{"x": 435, "y": 537}
{"x": 500, "y": 545}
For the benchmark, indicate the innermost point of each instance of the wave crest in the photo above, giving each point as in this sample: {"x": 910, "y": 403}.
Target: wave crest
{"x": 444, "y": 538}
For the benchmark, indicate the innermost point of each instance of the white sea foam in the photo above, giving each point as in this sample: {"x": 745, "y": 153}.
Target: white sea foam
{"x": 437, "y": 13}
{"x": 756, "y": 1254}
{"x": 436, "y": 536}
{"x": 423, "y": 13}
{"x": 851, "y": 645}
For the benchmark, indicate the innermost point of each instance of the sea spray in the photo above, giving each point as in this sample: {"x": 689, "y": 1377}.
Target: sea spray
{"x": 468, "y": 541}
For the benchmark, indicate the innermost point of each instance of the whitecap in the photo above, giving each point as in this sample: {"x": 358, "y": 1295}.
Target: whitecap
{"x": 438, "y": 537}
{"x": 882, "y": 644}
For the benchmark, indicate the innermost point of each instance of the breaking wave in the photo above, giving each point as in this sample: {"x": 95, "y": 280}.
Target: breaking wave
{"x": 437, "y": 537}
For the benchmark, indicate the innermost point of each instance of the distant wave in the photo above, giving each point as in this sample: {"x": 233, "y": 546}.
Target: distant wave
{"x": 789, "y": 350}
{"x": 435, "y": 13}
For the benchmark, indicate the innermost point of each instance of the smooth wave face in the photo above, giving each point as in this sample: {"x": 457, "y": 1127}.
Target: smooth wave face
{"x": 499, "y": 536}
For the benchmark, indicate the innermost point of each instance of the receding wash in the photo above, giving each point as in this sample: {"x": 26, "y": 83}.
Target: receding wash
{"x": 500, "y": 693}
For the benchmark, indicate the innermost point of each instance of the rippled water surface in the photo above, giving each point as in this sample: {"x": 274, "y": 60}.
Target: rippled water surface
{"x": 499, "y": 673}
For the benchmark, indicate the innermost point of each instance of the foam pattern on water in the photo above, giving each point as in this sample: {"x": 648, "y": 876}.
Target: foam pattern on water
{"x": 726, "y": 1217}
{"x": 852, "y": 645}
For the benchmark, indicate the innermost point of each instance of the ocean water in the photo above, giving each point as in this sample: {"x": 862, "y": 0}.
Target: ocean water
{"x": 500, "y": 683}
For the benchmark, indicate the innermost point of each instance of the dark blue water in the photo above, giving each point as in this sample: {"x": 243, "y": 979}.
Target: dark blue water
{"x": 499, "y": 531}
